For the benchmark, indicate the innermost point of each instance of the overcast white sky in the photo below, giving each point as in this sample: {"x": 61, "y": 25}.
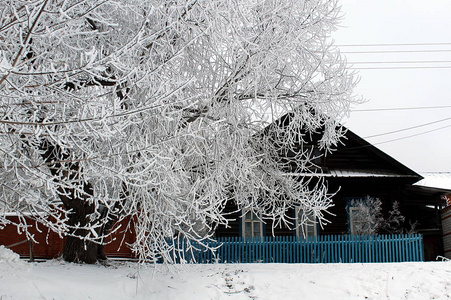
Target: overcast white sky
{"x": 402, "y": 22}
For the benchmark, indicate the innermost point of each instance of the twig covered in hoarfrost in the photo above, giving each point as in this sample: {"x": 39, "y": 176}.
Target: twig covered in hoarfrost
{"x": 161, "y": 110}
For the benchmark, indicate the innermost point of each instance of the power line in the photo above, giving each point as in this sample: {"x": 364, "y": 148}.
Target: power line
{"x": 401, "y": 62}
{"x": 408, "y": 128}
{"x": 388, "y": 44}
{"x": 399, "y": 68}
{"x": 397, "y": 51}
{"x": 398, "y": 139}
{"x": 413, "y": 135}
{"x": 400, "y": 108}
{"x": 145, "y": 148}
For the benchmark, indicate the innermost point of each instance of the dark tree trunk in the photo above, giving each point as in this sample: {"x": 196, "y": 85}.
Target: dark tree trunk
{"x": 79, "y": 251}
{"x": 78, "y": 248}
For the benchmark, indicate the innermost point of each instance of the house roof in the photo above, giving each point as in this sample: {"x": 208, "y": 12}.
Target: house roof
{"x": 353, "y": 173}
{"x": 393, "y": 168}
{"x": 432, "y": 186}
{"x": 357, "y": 158}
{"x": 436, "y": 180}
{"x": 367, "y": 173}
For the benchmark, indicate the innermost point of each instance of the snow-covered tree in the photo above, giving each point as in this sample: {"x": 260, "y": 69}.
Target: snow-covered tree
{"x": 395, "y": 220}
{"x": 366, "y": 218}
{"x": 155, "y": 109}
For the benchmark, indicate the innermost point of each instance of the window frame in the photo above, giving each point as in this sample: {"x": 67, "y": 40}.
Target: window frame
{"x": 256, "y": 219}
{"x": 352, "y": 222}
{"x": 302, "y": 230}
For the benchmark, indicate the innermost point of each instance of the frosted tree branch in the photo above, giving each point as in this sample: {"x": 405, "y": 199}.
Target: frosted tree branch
{"x": 162, "y": 111}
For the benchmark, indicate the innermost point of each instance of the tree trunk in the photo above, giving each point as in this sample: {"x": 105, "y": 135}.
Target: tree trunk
{"x": 77, "y": 249}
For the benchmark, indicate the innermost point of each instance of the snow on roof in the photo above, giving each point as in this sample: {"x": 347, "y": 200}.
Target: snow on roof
{"x": 436, "y": 180}
{"x": 352, "y": 173}
{"x": 366, "y": 173}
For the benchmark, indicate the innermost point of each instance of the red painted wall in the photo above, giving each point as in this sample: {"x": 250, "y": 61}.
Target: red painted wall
{"x": 50, "y": 245}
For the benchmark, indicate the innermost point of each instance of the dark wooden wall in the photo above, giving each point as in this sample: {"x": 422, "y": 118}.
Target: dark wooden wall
{"x": 386, "y": 189}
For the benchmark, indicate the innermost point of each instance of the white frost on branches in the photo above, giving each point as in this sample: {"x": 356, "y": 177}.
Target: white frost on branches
{"x": 160, "y": 107}
{"x": 367, "y": 218}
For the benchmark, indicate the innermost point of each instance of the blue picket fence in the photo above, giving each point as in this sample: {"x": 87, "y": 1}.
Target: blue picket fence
{"x": 320, "y": 249}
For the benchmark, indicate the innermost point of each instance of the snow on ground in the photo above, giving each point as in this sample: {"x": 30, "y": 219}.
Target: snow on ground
{"x": 56, "y": 279}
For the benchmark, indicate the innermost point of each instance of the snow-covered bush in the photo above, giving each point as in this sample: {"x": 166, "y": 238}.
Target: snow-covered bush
{"x": 366, "y": 218}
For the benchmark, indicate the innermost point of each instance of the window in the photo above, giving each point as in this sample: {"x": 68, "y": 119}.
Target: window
{"x": 306, "y": 225}
{"x": 252, "y": 224}
{"x": 358, "y": 220}
{"x": 365, "y": 215}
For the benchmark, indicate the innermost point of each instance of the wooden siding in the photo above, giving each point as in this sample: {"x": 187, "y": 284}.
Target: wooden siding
{"x": 446, "y": 225}
{"x": 386, "y": 189}
{"x": 50, "y": 245}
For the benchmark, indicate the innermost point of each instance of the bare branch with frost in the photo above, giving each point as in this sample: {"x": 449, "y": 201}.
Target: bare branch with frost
{"x": 157, "y": 110}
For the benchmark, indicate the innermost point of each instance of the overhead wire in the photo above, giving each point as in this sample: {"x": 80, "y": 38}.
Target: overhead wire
{"x": 413, "y": 135}
{"x": 397, "y": 139}
{"x": 401, "y": 62}
{"x": 381, "y": 109}
{"x": 377, "y": 143}
{"x": 399, "y": 51}
{"x": 413, "y": 66}
{"x": 400, "y": 108}
{"x": 408, "y": 128}
{"x": 348, "y": 50}
{"x": 399, "y": 68}
{"x": 391, "y": 44}
{"x": 395, "y": 45}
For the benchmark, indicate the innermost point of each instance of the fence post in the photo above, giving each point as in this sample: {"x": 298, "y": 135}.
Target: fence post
{"x": 31, "y": 250}
{"x": 411, "y": 247}
{"x": 421, "y": 247}
{"x": 387, "y": 248}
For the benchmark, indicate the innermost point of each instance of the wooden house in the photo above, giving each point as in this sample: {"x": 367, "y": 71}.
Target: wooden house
{"x": 356, "y": 170}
